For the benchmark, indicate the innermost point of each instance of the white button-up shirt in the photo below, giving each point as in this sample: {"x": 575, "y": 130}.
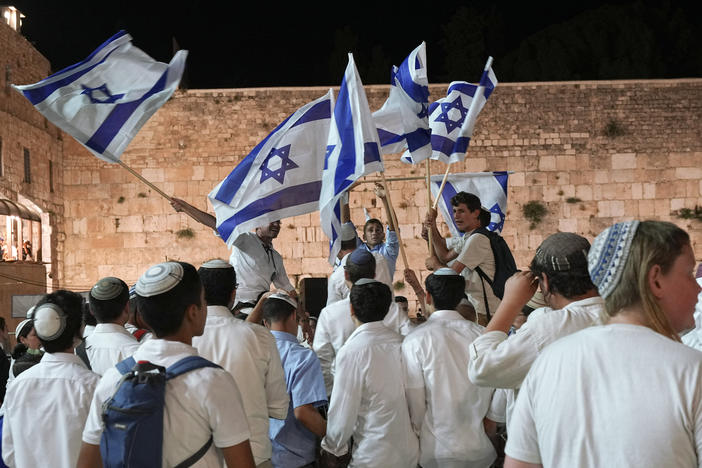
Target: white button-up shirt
{"x": 447, "y": 409}
{"x": 369, "y": 403}
{"x": 249, "y": 352}
{"x": 336, "y": 284}
{"x": 107, "y": 345}
{"x": 335, "y": 325}
{"x": 496, "y": 361}
{"x": 199, "y": 403}
{"x": 256, "y": 267}
{"x": 45, "y": 410}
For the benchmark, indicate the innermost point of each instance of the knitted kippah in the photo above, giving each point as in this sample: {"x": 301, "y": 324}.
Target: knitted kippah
{"x": 537, "y": 300}
{"x": 132, "y": 292}
{"x": 216, "y": 263}
{"x": 20, "y": 327}
{"x": 48, "y": 322}
{"x": 445, "y": 272}
{"x": 563, "y": 251}
{"x": 107, "y": 288}
{"x": 284, "y": 297}
{"x": 363, "y": 281}
{"x": 159, "y": 279}
{"x": 608, "y": 255}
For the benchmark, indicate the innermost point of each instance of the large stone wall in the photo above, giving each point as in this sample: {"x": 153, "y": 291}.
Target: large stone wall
{"x": 592, "y": 152}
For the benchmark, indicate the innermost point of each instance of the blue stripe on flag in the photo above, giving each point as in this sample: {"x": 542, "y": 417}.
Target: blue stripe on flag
{"x": 447, "y": 146}
{"x": 346, "y": 163}
{"x": 448, "y": 193}
{"x": 417, "y": 138}
{"x": 37, "y": 95}
{"x": 465, "y": 88}
{"x": 416, "y": 92}
{"x": 114, "y": 122}
{"x": 502, "y": 177}
{"x": 320, "y": 111}
{"x": 388, "y": 138}
{"x": 371, "y": 152}
{"x": 291, "y": 196}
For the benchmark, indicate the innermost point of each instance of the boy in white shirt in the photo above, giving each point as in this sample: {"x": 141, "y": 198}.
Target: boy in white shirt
{"x": 58, "y": 390}
{"x": 201, "y": 404}
{"x": 110, "y": 342}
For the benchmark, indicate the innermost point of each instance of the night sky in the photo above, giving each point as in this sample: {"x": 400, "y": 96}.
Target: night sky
{"x": 306, "y": 44}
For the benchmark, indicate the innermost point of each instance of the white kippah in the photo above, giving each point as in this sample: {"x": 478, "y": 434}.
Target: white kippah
{"x": 48, "y": 322}
{"x": 216, "y": 263}
{"x": 348, "y": 232}
{"x": 365, "y": 281}
{"x": 445, "y": 272}
{"x": 284, "y": 297}
{"x": 159, "y": 278}
{"x": 107, "y": 288}
{"x": 21, "y": 325}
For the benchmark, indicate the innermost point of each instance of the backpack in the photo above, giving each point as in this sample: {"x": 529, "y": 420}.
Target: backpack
{"x": 505, "y": 266}
{"x": 133, "y": 417}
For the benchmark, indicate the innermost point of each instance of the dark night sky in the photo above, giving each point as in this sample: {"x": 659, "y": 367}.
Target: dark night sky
{"x": 272, "y": 45}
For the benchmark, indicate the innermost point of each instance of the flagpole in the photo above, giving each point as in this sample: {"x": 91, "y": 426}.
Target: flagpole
{"x": 139, "y": 176}
{"x": 441, "y": 188}
{"x": 393, "y": 216}
{"x": 429, "y": 204}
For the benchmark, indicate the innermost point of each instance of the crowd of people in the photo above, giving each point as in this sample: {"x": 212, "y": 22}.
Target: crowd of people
{"x": 584, "y": 360}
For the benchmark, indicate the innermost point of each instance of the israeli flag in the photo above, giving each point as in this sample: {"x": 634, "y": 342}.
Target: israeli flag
{"x": 490, "y": 187}
{"x": 452, "y": 118}
{"x": 402, "y": 122}
{"x": 104, "y": 100}
{"x": 353, "y": 150}
{"x": 280, "y": 178}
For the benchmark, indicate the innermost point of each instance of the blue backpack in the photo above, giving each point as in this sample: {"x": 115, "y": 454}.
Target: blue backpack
{"x": 133, "y": 417}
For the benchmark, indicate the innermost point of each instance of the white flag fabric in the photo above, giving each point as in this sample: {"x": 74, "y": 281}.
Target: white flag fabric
{"x": 402, "y": 122}
{"x": 104, "y": 100}
{"x": 353, "y": 150}
{"x": 281, "y": 177}
{"x": 490, "y": 187}
{"x": 452, "y": 118}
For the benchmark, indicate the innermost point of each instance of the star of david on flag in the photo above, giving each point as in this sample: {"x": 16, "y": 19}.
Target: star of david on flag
{"x": 490, "y": 187}
{"x": 104, "y": 100}
{"x": 402, "y": 122}
{"x": 353, "y": 150}
{"x": 280, "y": 177}
{"x": 452, "y": 119}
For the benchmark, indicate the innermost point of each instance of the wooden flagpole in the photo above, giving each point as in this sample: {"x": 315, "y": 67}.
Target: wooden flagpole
{"x": 443, "y": 183}
{"x": 139, "y": 176}
{"x": 428, "y": 176}
{"x": 394, "y": 220}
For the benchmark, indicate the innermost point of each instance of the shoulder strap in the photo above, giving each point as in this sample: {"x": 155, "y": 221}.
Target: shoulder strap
{"x": 139, "y": 333}
{"x": 191, "y": 460}
{"x": 187, "y": 364}
{"x": 83, "y": 355}
{"x": 126, "y": 365}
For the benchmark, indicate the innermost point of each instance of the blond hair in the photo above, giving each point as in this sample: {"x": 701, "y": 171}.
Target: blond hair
{"x": 655, "y": 243}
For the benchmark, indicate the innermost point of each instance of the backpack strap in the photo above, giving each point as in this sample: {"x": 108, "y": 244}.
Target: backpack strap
{"x": 126, "y": 365}
{"x": 191, "y": 460}
{"x": 139, "y": 333}
{"x": 187, "y": 364}
{"x": 83, "y": 355}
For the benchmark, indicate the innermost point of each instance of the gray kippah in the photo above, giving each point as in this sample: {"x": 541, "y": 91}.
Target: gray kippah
{"x": 608, "y": 255}
{"x": 107, "y": 288}
{"x": 284, "y": 297}
{"x": 159, "y": 278}
{"x": 363, "y": 281}
{"x": 444, "y": 271}
{"x": 348, "y": 232}
{"x": 563, "y": 251}
{"x": 216, "y": 263}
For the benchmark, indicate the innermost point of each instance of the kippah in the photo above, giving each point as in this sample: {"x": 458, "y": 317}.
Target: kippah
{"x": 47, "y": 321}
{"x": 20, "y": 327}
{"x": 608, "y": 255}
{"x": 284, "y": 297}
{"x": 444, "y": 271}
{"x": 132, "y": 292}
{"x": 348, "y": 232}
{"x": 537, "y": 300}
{"x": 216, "y": 263}
{"x": 363, "y": 281}
{"x": 361, "y": 256}
{"x": 563, "y": 251}
{"x": 159, "y": 279}
{"x": 107, "y": 288}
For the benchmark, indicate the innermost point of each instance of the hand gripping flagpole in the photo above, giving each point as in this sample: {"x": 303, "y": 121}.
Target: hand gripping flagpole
{"x": 429, "y": 204}
{"x": 394, "y": 219}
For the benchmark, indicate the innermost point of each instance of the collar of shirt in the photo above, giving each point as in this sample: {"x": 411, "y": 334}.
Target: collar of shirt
{"x": 596, "y": 300}
{"x": 445, "y": 315}
{"x": 284, "y": 336}
{"x": 163, "y": 352}
{"x": 110, "y": 328}
{"x": 67, "y": 358}
{"x": 369, "y": 327}
{"x": 218, "y": 311}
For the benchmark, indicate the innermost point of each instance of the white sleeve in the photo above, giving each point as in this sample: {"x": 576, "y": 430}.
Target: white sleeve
{"x": 322, "y": 346}
{"x": 498, "y": 406}
{"x": 92, "y": 432}
{"x": 414, "y": 386}
{"x": 276, "y": 390}
{"x": 8, "y": 451}
{"x": 345, "y": 406}
{"x": 225, "y": 410}
{"x": 499, "y": 362}
{"x": 522, "y": 439}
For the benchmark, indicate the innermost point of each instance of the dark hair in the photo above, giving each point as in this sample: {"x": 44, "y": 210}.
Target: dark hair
{"x": 569, "y": 284}
{"x": 2, "y": 323}
{"x": 276, "y": 310}
{"x": 370, "y": 301}
{"x": 219, "y": 284}
{"x": 446, "y": 291}
{"x": 471, "y": 201}
{"x": 109, "y": 310}
{"x": 484, "y": 217}
{"x": 88, "y": 317}
{"x": 72, "y": 306}
{"x": 24, "y": 362}
{"x": 357, "y": 272}
{"x": 372, "y": 221}
{"x": 164, "y": 313}
{"x": 400, "y": 299}
{"x": 348, "y": 244}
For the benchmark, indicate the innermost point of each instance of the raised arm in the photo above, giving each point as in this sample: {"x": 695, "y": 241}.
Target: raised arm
{"x": 380, "y": 193}
{"x": 198, "y": 215}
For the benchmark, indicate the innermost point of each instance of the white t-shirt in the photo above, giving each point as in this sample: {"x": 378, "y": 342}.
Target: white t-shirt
{"x": 107, "y": 345}
{"x": 616, "y": 395}
{"x": 336, "y": 284}
{"x": 244, "y": 349}
{"x": 45, "y": 410}
{"x": 370, "y": 403}
{"x": 446, "y": 408}
{"x": 475, "y": 251}
{"x": 199, "y": 403}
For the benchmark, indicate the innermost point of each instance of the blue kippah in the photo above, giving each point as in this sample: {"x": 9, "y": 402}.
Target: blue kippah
{"x": 608, "y": 255}
{"x": 361, "y": 256}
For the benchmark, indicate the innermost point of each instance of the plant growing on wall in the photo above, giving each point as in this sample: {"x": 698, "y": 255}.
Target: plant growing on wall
{"x": 534, "y": 211}
{"x": 689, "y": 213}
{"x": 613, "y": 128}
{"x": 186, "y": 233}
